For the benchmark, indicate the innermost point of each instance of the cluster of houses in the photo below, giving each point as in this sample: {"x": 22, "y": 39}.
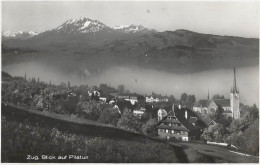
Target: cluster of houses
{"x": 151, "y": 99}
{"x": 132, "y": 98}
{"x": 180, "y": 123}
{"x": 183, "y": 123}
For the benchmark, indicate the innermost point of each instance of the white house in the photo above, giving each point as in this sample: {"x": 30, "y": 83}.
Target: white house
{"x": 103, "y": 99}
{"x": 151, "y": 99}
{"x": 139, "y": 112}
{"x": 133, "y": 100}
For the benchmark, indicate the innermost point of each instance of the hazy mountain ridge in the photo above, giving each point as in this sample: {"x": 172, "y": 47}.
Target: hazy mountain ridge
{"x": 83, "y": 37}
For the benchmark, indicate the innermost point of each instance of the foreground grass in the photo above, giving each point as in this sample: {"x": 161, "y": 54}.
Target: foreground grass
{"x": 20, "y": 139}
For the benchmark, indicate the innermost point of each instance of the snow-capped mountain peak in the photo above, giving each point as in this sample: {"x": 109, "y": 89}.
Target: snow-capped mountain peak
{"x": 120, "y": 27}
{"x": 81, "y": 25}
{"x": 131, "y": 28}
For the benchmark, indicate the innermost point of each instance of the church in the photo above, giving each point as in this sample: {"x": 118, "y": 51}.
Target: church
{"x": 230, "y": 106}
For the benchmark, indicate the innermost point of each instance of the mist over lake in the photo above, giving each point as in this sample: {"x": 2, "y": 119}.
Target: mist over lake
{"x": 146, "y": 80}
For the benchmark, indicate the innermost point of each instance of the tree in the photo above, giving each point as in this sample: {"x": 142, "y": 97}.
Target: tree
{"x": 217, "y": 96}
{"x": 171, "y": 99}
{"x": 105, "y": 89}
{"x": 129, "y": 122}
{"x": 251, "y": 135}
{"x": 254, "y": 112}
{"x": 218, "y": 114}
{"x": 70, "y": 105}
{"x": 146, "y": 116}
{"x": 63, "y": 85}
{"x": 141, "y": 99}
{"x": 121, "y": 88}
{"x": 68, "y": 84}
{"x": 234, "y": 126}
{"x": 213, "y": 132}
{"x": 123, "y": 104}
{"x": 183, "y": 99}
{"x": 149, "y": 127}
{"x": 218, "y": 138}
{"x": 27, "y": 100}
{"x": 95, "y": 96}
{"x": 90, "y": 109}
{"x": 109, "y": 115}
{"x": 191, "y": 101}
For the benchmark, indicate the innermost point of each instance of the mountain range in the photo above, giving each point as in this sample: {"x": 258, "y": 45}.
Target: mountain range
{"x": 84, "y": 37}
{"x": 6, "y": 35}
{"x": 79, "y": 26}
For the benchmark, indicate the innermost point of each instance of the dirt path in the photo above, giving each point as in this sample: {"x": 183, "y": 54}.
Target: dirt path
{"x": 221, "y": 155}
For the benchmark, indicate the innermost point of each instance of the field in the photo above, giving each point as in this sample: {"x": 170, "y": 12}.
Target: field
{"x": 20, "y": 139}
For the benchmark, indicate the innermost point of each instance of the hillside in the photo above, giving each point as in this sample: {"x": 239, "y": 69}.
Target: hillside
{"x": 35, "y": 133}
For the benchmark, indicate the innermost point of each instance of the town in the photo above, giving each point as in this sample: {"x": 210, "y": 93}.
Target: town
{"x": 217, "y": 120}
{"x": 130, "y": 82}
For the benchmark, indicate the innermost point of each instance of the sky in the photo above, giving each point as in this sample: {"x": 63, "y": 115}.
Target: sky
{"x": 219, "y": 17}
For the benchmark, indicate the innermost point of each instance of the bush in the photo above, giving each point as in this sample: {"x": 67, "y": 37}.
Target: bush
{"x": 129, "y": 122}
{"x": 89, "y": 109}
{"x": 109, "y": 115}
{"x": 149, "y": 127}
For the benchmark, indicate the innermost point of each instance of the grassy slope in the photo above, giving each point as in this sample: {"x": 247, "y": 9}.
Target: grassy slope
{"x": 22, "y": 138}
{"x": 29, "y": 134}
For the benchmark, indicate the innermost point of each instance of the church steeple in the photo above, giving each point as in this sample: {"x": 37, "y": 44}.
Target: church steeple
{"x": 234, "y": 83}
{"x": 234, "y": 99}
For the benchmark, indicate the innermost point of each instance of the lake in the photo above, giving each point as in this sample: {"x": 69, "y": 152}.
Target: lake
{"x": 143, "y": 80}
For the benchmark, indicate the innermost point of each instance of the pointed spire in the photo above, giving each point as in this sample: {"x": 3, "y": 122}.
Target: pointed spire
{"x": 208, "y": 94}
{"x": 235, "y": 83}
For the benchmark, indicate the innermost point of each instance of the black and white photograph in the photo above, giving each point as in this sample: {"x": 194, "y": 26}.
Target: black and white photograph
{"x": 130, "y": 81}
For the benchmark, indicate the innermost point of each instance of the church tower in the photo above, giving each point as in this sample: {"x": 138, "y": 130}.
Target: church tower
{"x": 234, "y": 99}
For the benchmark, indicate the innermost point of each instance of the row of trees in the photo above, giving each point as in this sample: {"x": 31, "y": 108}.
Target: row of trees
{"x": 65, "y": 99}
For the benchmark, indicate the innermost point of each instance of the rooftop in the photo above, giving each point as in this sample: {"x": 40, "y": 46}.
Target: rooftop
{"x": 222, "y": 102}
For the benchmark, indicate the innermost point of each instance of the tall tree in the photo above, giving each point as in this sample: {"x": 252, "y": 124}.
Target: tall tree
{"x": 191, "y": 101}
{"x": 68, "y": 84}
{"x": 172, "y": 99}
{"x": 217, "y": 96}
{"x": 109, "y": 115}
{"x": 129, "y": 122}
{"x": 254, "y": 112}
{"x": 121, "y": 88}
{"x": 183, "y": 99}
